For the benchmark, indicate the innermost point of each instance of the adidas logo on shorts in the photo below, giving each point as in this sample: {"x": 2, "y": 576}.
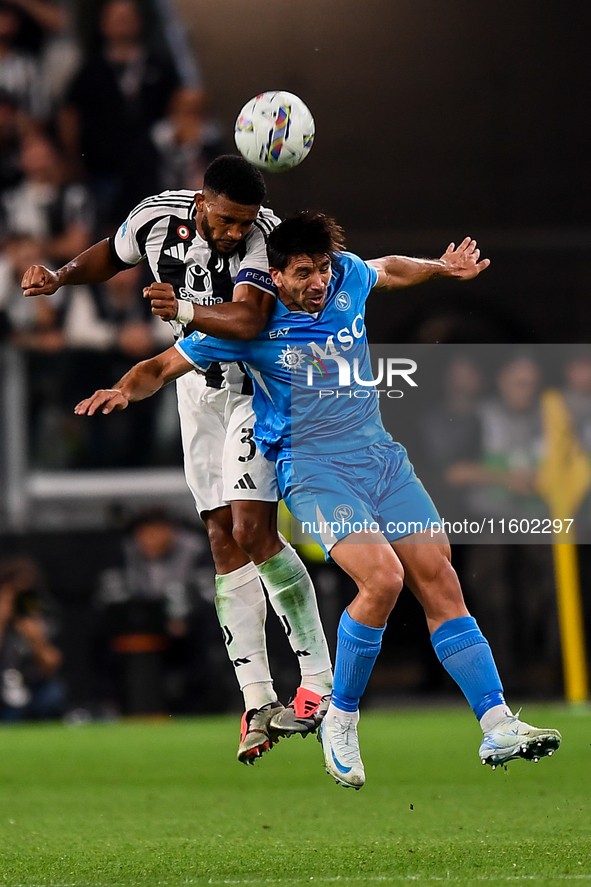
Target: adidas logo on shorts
{"x": 245, "y": 483}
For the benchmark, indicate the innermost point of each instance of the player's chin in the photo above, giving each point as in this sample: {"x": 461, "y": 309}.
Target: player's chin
{"x": 226, "y": 246}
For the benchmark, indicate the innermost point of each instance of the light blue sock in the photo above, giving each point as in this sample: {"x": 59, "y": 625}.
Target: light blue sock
{"x": 358, "y": 646}
{"x": 465, "y": 654}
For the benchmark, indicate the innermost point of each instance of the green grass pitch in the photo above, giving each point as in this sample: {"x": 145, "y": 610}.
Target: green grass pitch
{"x": 167, "y": 804}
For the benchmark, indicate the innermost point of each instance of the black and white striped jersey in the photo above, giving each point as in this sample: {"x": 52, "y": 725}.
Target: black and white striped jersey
{"x": 162, "y": 229}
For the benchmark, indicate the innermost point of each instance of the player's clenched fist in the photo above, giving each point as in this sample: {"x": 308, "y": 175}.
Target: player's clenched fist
{"x": 104, "y": 400}
{"x": 39, "y": 281}
{"x": 164, "y": 302}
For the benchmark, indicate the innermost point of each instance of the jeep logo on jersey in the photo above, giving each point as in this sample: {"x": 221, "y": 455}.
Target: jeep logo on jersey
{"x": 198, "y": 286}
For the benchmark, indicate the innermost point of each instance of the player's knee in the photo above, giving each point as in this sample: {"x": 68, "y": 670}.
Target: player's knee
{"x": 435, "y": 567}
{"x": 244, "y": 534}
{"x": 384, "y": 585}
{"x": 226, "y": 554}
{"x": 258, "y": 540}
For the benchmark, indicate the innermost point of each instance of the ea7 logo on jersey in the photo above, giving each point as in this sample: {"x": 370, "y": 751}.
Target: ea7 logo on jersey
{"x": 276, "y": 334}
{"x": 198, "y": 286}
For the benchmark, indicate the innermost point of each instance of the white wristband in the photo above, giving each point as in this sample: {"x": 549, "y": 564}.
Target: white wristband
{"x": 185, "y": 312}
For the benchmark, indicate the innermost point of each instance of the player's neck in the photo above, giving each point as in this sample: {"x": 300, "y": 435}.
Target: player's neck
{"x": 289, "y": 302}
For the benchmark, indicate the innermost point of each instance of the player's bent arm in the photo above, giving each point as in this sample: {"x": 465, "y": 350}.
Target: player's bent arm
{"x": 142, "y": 381}
{"x": 242, "y": 319}
{"x": 94, "y": 265}
{"x": 462, "y": 262}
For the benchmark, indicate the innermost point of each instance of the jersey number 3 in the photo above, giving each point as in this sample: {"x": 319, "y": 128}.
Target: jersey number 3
{"x": 252, "y": 447}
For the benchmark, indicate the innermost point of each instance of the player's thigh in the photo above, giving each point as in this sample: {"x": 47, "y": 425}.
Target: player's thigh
{"x": 203, "y": 435}
{"x": 248, "y": 475}
{"x": 324, "y": 495}
{"x": 403, "y": 504}
{"x": 429, "y": 574}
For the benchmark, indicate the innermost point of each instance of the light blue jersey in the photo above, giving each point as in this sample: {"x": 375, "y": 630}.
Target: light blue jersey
{"x": 300, "y": 355}
{"x": 318, "y": 415}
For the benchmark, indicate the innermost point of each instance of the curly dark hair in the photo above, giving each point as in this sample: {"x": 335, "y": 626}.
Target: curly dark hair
{"x": 236, "y": 179}
{"x": 305, "y": 234}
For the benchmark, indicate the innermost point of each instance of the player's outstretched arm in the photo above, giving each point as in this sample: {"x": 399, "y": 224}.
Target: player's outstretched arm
{"x": 462, "y": 262}
{"x": 94, "y": 265}
{"x": 242, "y": 319}
{"x": 142, "y": 380}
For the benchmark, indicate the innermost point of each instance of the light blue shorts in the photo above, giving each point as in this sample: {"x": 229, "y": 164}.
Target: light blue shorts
{"x": 374, "y": 489}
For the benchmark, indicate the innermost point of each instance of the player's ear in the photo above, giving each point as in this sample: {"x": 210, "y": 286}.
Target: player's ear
{"x": 199, "y": 201}
{"x": 275, "y": 276}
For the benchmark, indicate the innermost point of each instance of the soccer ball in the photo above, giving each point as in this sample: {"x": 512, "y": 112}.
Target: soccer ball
{"x": 274, "y": 131}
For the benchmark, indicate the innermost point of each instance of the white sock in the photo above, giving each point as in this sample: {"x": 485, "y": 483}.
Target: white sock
{"x": 242, "y": 609}
{"x": 293, "y": 598}
{"x": 492, "y": 717}
{"x": 258, "y": 694}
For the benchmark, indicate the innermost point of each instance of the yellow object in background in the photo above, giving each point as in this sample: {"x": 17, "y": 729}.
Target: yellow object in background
{"x": 564, "y": 478}
{"x": 309, "y": 549}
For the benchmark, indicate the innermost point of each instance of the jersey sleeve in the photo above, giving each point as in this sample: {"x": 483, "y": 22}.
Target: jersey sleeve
{"x": 202, "y": 350}
{"x": 254, "y": 267}
{"x": 125, "y": 248}
{"x": 368, "y": 276}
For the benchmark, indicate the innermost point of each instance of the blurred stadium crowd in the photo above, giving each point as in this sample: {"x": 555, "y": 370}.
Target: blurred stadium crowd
{"x": 92, "y": 120}
{"x": 87, "y": 130}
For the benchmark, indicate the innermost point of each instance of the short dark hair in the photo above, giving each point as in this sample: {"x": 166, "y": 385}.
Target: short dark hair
{"x": 236, "y": 179}
{"x": 304, "y": 234}
{"x": 151, "y": 514}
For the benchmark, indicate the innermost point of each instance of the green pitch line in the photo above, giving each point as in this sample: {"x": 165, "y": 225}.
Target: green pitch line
{"x": 167, "y": 804}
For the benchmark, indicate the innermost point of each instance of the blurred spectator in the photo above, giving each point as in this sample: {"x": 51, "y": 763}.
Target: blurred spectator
{"x": 502, "y": 483}
{"x": 111, "y": 106}
{"x": 449, "y": 432}
{"x": 45, "y": 31}
{"x": 20, "y": 74}
{"x": 186, "y": 141}
{"x": 35, "y": 19}
{"x": 510, "y": 588}
{"x": 148, "y": 602}
{"x": 29, "y": 659}
{"x": 113, "y": 315}
{"x": 577, "y": 392}
{"x": 33, "y": 324}
{"x": 36, "y": 326}
{"x": 112, "y": 327}
{"x": 577, "y": 396}
{"x": 76, "y": 339}
{"x": 45, "y": 206}
{"x": 10, "y": 141}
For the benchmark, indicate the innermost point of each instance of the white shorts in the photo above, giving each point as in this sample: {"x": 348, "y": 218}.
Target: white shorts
{"x": 222, "y": 461}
